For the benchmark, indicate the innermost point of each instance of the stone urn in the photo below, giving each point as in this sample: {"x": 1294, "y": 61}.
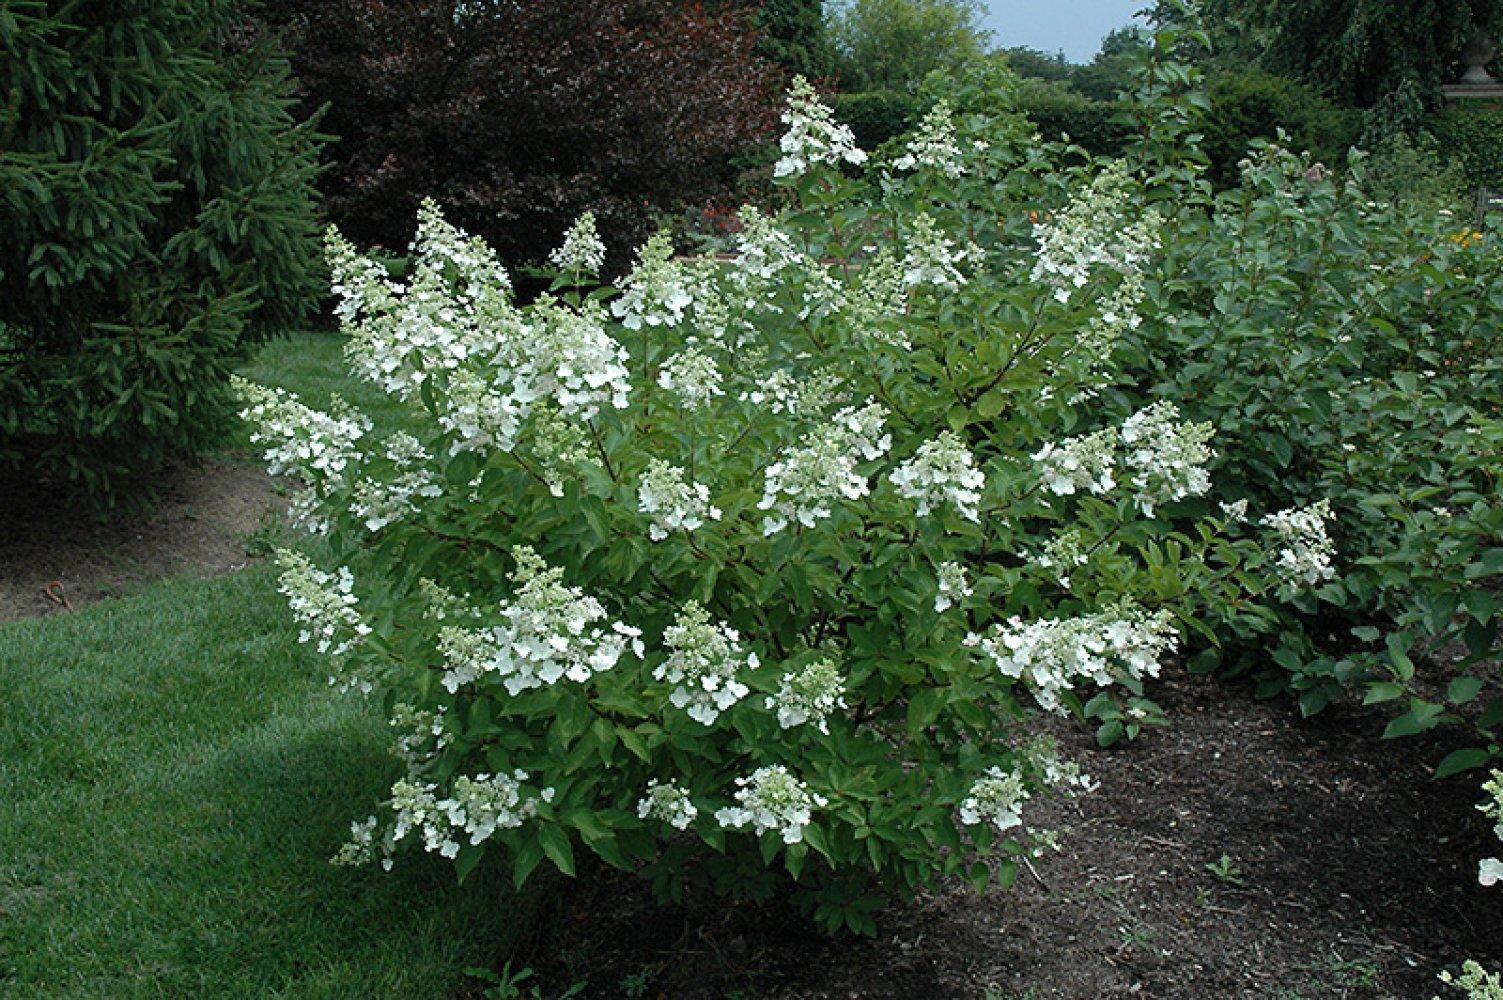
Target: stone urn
{"x": 1477, "y": 54}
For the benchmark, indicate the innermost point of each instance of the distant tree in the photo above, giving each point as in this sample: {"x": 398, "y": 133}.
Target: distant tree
{"x": 516, "y": 117}
{"x": 793, "y": 35}
{"x": 1356, "y": 51}
{"x": 1122, "y": 41}
{"x": 1037, "y": 65}
{"x": 1111, "y": 71}
{"x": 894, "y": 44}
{"x": 159, "y": 214}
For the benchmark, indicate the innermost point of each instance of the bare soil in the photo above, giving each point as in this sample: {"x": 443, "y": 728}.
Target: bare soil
{"x": 1348, "y": 874}
{"x": 54, "y": 558}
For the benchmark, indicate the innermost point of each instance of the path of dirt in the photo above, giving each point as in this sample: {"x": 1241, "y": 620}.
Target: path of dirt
{"x": 1349, "y": 874}
{"x": 199, "y": 525}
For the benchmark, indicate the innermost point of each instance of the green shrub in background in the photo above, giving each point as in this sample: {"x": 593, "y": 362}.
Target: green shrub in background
{"x": 875, "y": 116}
{"x": 1057, "y": 110}
{"x": 158, "y": 212}
{"x": 1474, "y": 136}
{"x": 1348, "y": 350}
{"x": 1252, "y": 105}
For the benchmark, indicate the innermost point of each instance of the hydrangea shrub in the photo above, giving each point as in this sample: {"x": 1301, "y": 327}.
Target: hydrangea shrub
{"x": 749, "y": 573}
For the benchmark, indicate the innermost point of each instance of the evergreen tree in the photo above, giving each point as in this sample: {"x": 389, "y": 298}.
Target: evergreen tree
{"x": 793, "y": 35}
{"x": 157, "y": 202}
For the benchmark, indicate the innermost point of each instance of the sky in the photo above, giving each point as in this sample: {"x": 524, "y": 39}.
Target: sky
{"x": 1076, "y": 26}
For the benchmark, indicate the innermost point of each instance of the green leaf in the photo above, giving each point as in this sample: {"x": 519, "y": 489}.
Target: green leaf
{"x": 1418, "y": 719}
{"x": 991, "y": 404}
{"x": 465, "y": 861}
{"x": 1312, "y": 701}
{"x": 1464, "y": 689}
{"x": 1381, "y": 691}
{"x": 1462, "y": 760}
{"x": 556, "y": 845}
{"x": 634, "y": 743}
{"x": 1398, "y": 652}
{"x": 923, "y": 708}
{"x": 526, "y": 861}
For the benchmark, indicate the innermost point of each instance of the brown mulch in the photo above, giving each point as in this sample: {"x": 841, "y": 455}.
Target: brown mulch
{"x": 54, "y": 558}
{"x": 1350, "y": 875}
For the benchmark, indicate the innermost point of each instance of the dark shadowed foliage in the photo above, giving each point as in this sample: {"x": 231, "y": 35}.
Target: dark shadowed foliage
{"x": 515, "y": 117}
{"x": 157, "y": 204}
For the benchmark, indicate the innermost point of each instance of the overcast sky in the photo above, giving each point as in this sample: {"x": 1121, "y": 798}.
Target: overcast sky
{"x": 1076, "y": 26}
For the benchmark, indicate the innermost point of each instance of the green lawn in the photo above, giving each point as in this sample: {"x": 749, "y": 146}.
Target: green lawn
{"x": 174, "y": 775}
{"x": 312, "y": 366}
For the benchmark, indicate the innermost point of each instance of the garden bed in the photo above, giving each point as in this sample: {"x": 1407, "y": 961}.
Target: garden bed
{"x": 1349, "y": 874}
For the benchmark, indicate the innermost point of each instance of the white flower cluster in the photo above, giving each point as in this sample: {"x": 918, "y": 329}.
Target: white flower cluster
{"x": 552, "y": 631}
{"x": 560, "y": 446}
{"x": 876, "y": 306}
{"x": 997, "y": 798}
{"x": 1093, "y": 231}
{"x": 1163, "y": 458}
{"x": 766, "y": 252}
{"x": 421, "y": 734}
{"x": 476, "y": 807}
{"x": 702, "y": 664}
{"x": 673, "y": 504}
{"x": 360, "y": 285}
{"x": 693, "y": 377}
{"x": 1116, "y": 315}
{"x": 575, "y": 361}
{"x": 813, "y": 135}
{"x": 821, "y": 470}
{"x": 954, "y": 586}
{"x": 454, "y": 311}
{"x": 809, "y": 695}
{"x": 942, "y": 472}
{"x": 324, "y": 604}
{"x": 932, "y": 258}
{"x": 582, "y": 252}
{"x": 1306, "y": 557}
{"x": 455, "y": 325}
{"x": 441, "y": 247}
{"x": 1050, "y": 655}
{"x": 379, "y": 503}
{"x": 315, "y": 446}
{"x": 1475, "y": 981}
{"x": 1236, "y": 511}
{"x": 667, "y": 803}
{"x": 1052, "y": 771}
{"x": 1086, "y": 462}
{"x": 933, "y": 144}
{"x": 772, "y": 799}
{"x": 1062, "y": 554}
{"x": 659, "y": 289}
{"x": 1490, "y": 870}
{"x": 360, "y": 849}
{"x": 800, "y": 395}
{"x": 482, "y": 413}
{"x": 1167, "y": 457}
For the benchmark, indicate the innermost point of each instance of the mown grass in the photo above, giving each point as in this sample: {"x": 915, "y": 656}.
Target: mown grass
{"x": 174, "y": 776}
{"x": 311, "y": 365}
